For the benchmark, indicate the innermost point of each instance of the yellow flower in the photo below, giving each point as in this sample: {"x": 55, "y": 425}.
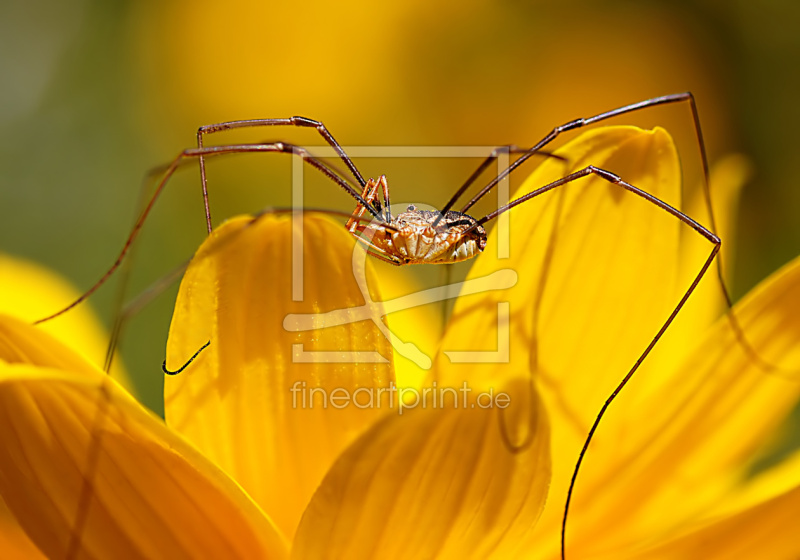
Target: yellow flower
{"x": 30, "y": 292}
{"x": 247, "y": 468}
{"x": 671, "y": 459}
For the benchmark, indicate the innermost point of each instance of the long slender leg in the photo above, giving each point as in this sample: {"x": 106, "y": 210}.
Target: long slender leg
{"x": 104, "y": 398}
{"x": 103, "y": 401}
{"x": 159, "y": 286}
{"x": 685, "y": 97}
{"x": 369, "y": 194}
{"x": 252, "y": 123}
{"x": 510, "y": 149}
{"x": 281, "y": 147}
{"x": 714, "y": 251}
{"x": 707, "y": 234}
{"x": 92, "y": 459}
{"x": 386, "y": 202}
{"x": 579, "y": 123}
{"x": 118, "y": 314}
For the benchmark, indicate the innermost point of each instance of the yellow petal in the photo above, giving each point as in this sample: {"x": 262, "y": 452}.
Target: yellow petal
{"x": 20, "y": 343}
{"x": 246, "y": 400}
{"x": 31, "y": 292}
{"x": 687, "y": 446}
{"x": 580, "y": 323}
{"x": 766, "y": 485}
{"x": 728, "y": 176}
{"x": 420, "y": 325}
{"x": 613, "y": 269}
{"x": 768, "y": 530}
{"x": 430, "y": 483}
{"x": 14, "y": 542}
{"x": 150, "y": 494}
{"x": 608, "y": 287}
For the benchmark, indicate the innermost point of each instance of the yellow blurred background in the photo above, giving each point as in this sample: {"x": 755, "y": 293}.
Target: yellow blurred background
{"x": 96, "y": 93}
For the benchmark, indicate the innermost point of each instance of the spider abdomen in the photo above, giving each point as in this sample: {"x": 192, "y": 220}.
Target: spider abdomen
{"x": 413, "y": 238}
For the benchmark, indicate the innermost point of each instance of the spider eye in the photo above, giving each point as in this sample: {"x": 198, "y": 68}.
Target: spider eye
{"x": 411, "y": 207}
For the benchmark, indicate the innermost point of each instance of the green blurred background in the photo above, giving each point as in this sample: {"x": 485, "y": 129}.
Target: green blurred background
{"x": 96, "y": 93}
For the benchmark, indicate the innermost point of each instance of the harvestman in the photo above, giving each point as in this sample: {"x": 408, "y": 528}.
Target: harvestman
{"x": 447, "y": 236}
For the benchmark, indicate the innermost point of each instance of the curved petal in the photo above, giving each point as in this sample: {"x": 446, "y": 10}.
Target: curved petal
{"x": 599, "y": 272}
{"x": 31, "y": 292}
{"x": 256, "y": 400}
{"x": 89, "y": 473}
{"x": 579, "y": 322}
{"x": 14, "y": 542}
{"x": 728, "y": 176}
{"x": 420, "y": 325}
{"x": 20, "y": 343}
{"x": 433, "y": 482}
{"x": 697, "y": 436}
{"x": 586, "y": 315}
{"x": 762, "y": 487}
{"x": 767, "y": 530}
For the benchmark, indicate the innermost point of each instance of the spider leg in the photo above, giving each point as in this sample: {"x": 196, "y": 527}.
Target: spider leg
{"x": 189, "y": 154}
{"x": 579, "y": 123}
{"x": 703, "y": 231}
{"x": 104, "y": 398}
{"x": 355, "y": 228}
{"x": 510, "y": 149}
{"x": 370, "y": 195}
{"x": 252, "y": 123}
{"x": 385, "y": 188}
{"x": 685, "y": 97}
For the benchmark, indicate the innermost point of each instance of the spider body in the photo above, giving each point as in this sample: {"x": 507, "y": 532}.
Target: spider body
{"x": 414, "y": 240}
{"x": 415, "y": 236}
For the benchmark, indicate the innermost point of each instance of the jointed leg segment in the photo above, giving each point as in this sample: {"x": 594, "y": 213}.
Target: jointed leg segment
{"x": 707, "y": 234}
{"x": 280, "y": 147}
{"x": 252, "y": 123}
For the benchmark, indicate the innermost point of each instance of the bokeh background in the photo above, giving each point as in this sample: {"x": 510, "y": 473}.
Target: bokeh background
{"x": 95, "y": 93}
